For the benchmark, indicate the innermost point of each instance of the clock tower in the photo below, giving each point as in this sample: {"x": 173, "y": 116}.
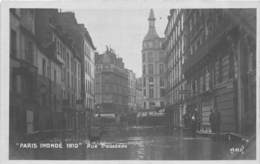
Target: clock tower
{"x": 153, "y": 80}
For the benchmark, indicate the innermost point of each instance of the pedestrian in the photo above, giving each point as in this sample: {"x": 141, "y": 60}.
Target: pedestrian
{"x": 186, "y": 120}
{"x": 198, "y": 119}
{"x": 189, "y": 119}
{"x": 217, "y": 123}
{"x": 212, "y": 121}
{"x": 193, "y": 123}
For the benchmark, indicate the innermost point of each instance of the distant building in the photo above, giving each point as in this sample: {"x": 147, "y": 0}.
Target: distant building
{"x": 139, "y": 94}
{"x": 132, "y": 90}
{"x": 111, "y": 84}
{"x": 153, "y": 67}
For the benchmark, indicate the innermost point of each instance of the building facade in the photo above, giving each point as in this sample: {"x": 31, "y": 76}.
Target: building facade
{"x": 59, "y": 46}
{"x": 174, "y": 60}
{"x": 220, "y": 53}
{"x": 111, "y": 84}
{"x": 139, "y": 94}
{"x": 132, "y": 91}
{"x": 86, "y": 52}
{"x": 23, "y": 74}
{"x": 51, "y": 76}
{"x": 153, "y": 67}
{"x": 37, "y": 87}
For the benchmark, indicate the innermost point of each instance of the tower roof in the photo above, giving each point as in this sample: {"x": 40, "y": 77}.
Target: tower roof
{"x": 151, "y": 16}
{"x": 152, "y": 34}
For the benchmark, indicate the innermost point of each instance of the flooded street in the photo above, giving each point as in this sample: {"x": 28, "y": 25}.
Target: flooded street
{"x": 142, "y": 143}
{"x": 158, "y": 144}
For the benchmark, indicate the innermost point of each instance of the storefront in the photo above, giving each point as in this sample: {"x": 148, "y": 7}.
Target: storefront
{"x": 206, "y": 106}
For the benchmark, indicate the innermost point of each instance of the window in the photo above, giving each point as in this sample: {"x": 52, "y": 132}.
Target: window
{"x": 43, "y": 67}
{"x": 63, "y": 74}
{"x": 86, "y": 87}
{"x": 150, "y": 79}
{"x": 86, "y": 66}
{"x": 211, "y": 76}
{"x": 207, "y": 79}
{"x": 58, "y": 47}
{"x": 220, "y": 74}
{"x": 150, "y": 44}
{"x": 151, "y": 93}
{"x": 13, "y": 43}
{"x": 89, "y": 69}
{"x": 150, "y": 68}
{"x": 162, "y": 92}
{"x": 150, "y": 57}
{"x": 144, "y": 81}
{"x": 67, "y": 59}
{"x": 161, "y": 68}
{"x": 194, "y": 18}
{"x": 72, "y": 65}
{"x": 55, "y": 76}
{"x": 200, "y": 13}
{"x": 63, "y": 53}
{"x": 144, "y": 105}
{"x": 231, "y": 66}
{"x": 190, "y": 23}
{"x": 151, "y": 104}
{"x": 206, "y": 32}
{"x": 161, "y": 82}
{"x": 144, "y": 92}
{"x": 161, "y": 104}
{"x": 201, "y": 39}
{"x": 144, "y": 71}
{"x": 29, "y": 51}
{"x": 143, "y": 57}
{"x": 203, "y": 81}
{"x": 68, "y": 79}
{"x": 195, "y": 86}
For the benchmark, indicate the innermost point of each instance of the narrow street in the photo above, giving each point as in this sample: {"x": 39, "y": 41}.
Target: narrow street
{"x": 131, "y": 84}
{"x": 156, "y": 143}
{"x": 143, "y": 143}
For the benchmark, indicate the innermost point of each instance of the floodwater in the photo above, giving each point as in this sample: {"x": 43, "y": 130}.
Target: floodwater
{"x": 136, "y": 143}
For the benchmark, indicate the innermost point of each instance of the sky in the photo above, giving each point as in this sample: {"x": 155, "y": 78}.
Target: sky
{"x": 122, "y": 30}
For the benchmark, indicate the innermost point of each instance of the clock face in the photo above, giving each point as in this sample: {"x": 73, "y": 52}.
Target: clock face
{"x": 150, "y": 44}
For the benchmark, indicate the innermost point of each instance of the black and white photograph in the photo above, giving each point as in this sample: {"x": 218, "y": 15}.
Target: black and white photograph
{"x": 150, "y": 83}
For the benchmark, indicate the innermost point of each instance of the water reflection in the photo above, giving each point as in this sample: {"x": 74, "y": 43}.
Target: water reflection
{"x": 146, "y": 143}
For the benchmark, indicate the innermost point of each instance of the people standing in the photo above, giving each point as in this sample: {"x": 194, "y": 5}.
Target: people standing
{"x": 217, "y": 122}
{"x": 186, "y": 120}
{"x": 212, "y": 120}
{"x": 198, "y": 119}
{"x": 194, "y": 122}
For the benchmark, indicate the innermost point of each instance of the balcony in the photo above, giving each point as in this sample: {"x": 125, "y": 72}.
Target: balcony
{"x": 51, "y": 50}
{"x": 25, "y": 68}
